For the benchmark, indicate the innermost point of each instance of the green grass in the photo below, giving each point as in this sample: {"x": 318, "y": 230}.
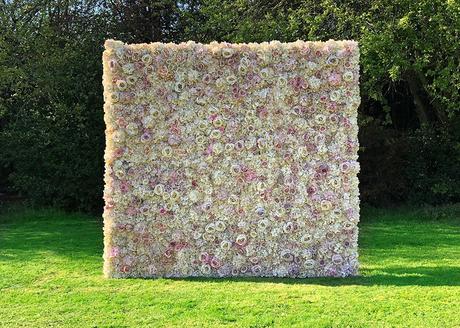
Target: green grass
{"x": 51, "y": 276}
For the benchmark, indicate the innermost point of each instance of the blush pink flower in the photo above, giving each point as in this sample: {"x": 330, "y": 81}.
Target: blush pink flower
{"x": 114, "y": 252}
{"x": 124, "y": 186}
{"x": 146, "y": 136}
{"x": 334, "y": 79}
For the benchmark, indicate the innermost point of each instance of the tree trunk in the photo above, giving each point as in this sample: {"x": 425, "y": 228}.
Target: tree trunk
{"x": 418, "y": 93}
{"x": 440, "y": 113}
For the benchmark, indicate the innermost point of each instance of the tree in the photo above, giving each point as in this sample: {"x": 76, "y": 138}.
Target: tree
{"x": 413, "y": 42}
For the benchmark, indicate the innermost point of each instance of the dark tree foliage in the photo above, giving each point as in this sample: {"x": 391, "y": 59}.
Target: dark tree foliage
{"x": 51, "y": 106}
{"x": 410, "y": 80}
{"x": 146, "y": 20}
{"x": 52, "y": 135}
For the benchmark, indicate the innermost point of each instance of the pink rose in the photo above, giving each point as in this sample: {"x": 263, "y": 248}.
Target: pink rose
{"x": 124, "y": 186}
{"x": 114, "y": 252}
{"x": 334, "y": 79}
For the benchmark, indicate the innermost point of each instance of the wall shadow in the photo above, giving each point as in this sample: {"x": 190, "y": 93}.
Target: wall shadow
{"x": 399, "y": 276}
{"x": 74, "y": 237}
{"x": 399, "y": 253}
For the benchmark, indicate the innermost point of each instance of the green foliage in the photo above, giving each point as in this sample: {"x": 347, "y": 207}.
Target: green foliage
{"x": 418, "y": 166}
{"x": 51, "y": 127}
{"x": 400, "y": 40}
{"x": 383, "y": 156}
{"x": 53, "y": 136}
{"x": 433, "y": 165}
{"x": 409, "y": 50}
{"x": 51, "y": 104}
{"x": 51, "y": 275}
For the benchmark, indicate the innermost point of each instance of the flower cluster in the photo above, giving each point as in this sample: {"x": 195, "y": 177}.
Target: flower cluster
{"x": 231, "y": 159}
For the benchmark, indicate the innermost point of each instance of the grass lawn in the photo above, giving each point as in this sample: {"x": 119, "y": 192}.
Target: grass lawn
{"x": 51, "y": 276}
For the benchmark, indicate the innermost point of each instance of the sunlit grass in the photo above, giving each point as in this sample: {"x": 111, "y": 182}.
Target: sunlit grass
{"x": 51, "y": 275}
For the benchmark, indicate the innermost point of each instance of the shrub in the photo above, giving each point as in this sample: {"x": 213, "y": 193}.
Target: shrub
{"x": 52, "y": 138}
{"x": 433, "y": 164}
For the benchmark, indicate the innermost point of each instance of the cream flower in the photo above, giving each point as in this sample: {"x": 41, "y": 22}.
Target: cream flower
{"x": 159, "y": 189}
{"x": 314, "y": 83}
{"x": 193, "y": 196}
{"x": 131, "y": 79}
{"x": 147, "y": 59}
{"x": 167, "y": 151}
{"x": 132, "y": 129}
{"x": 128, "y": 68}
{"x": 193, "y": 75}
{"x": 179, "y": 86}
{"x": 326, "y": 205}
{"x": 121, "y": 85}
{"x": 241, "y": 240}
{"x": 231, "y": 79}
{"x": 227, "y": 52}
{"x": 320, "y": 119}
{"x": 306, "y": 239}
{"x": 215, "y": 134}
{"x": 225, "y": 245}
{"x": 218, "y": 148}
{"x": 348, "y": 76}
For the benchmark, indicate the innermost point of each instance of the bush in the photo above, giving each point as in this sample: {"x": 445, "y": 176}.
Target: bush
{"x": 433, "y": 164}
{"x": 51, "y": 126}
{"x": 52, "y": 138}
{"x": 419, "y": 166}
{"x": 382, "y": 154}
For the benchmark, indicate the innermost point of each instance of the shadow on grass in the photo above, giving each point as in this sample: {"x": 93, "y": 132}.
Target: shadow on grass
{"x": 393, "y": 253}
{"x": 26, "y": 238}
{"x": 414, "y": 276}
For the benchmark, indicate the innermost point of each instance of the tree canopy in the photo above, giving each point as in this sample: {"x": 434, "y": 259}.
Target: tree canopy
{"x": 51, "y": 126}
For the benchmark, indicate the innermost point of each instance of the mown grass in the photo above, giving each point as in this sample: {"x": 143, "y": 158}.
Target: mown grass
{"x": 51, "y": 276}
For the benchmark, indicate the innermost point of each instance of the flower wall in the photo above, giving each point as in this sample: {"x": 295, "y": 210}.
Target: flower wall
{"x": 231, "y": 159}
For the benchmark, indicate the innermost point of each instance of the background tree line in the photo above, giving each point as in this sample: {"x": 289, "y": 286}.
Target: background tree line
{"x": 51, "y": 106}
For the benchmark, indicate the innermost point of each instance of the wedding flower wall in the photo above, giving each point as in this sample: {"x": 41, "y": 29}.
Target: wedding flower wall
{"x": 231, "y": 159}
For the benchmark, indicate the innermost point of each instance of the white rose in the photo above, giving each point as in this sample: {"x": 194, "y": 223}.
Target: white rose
{"x": 227, "y": 52}
{"x": 231, "y": 79}
{"x": 320, "y": 119}
{"x": 348, "y": 76}
{"x": 314, "y": 82}
{"x": 193, "y": 196}
{"x": 193, "y": 75}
